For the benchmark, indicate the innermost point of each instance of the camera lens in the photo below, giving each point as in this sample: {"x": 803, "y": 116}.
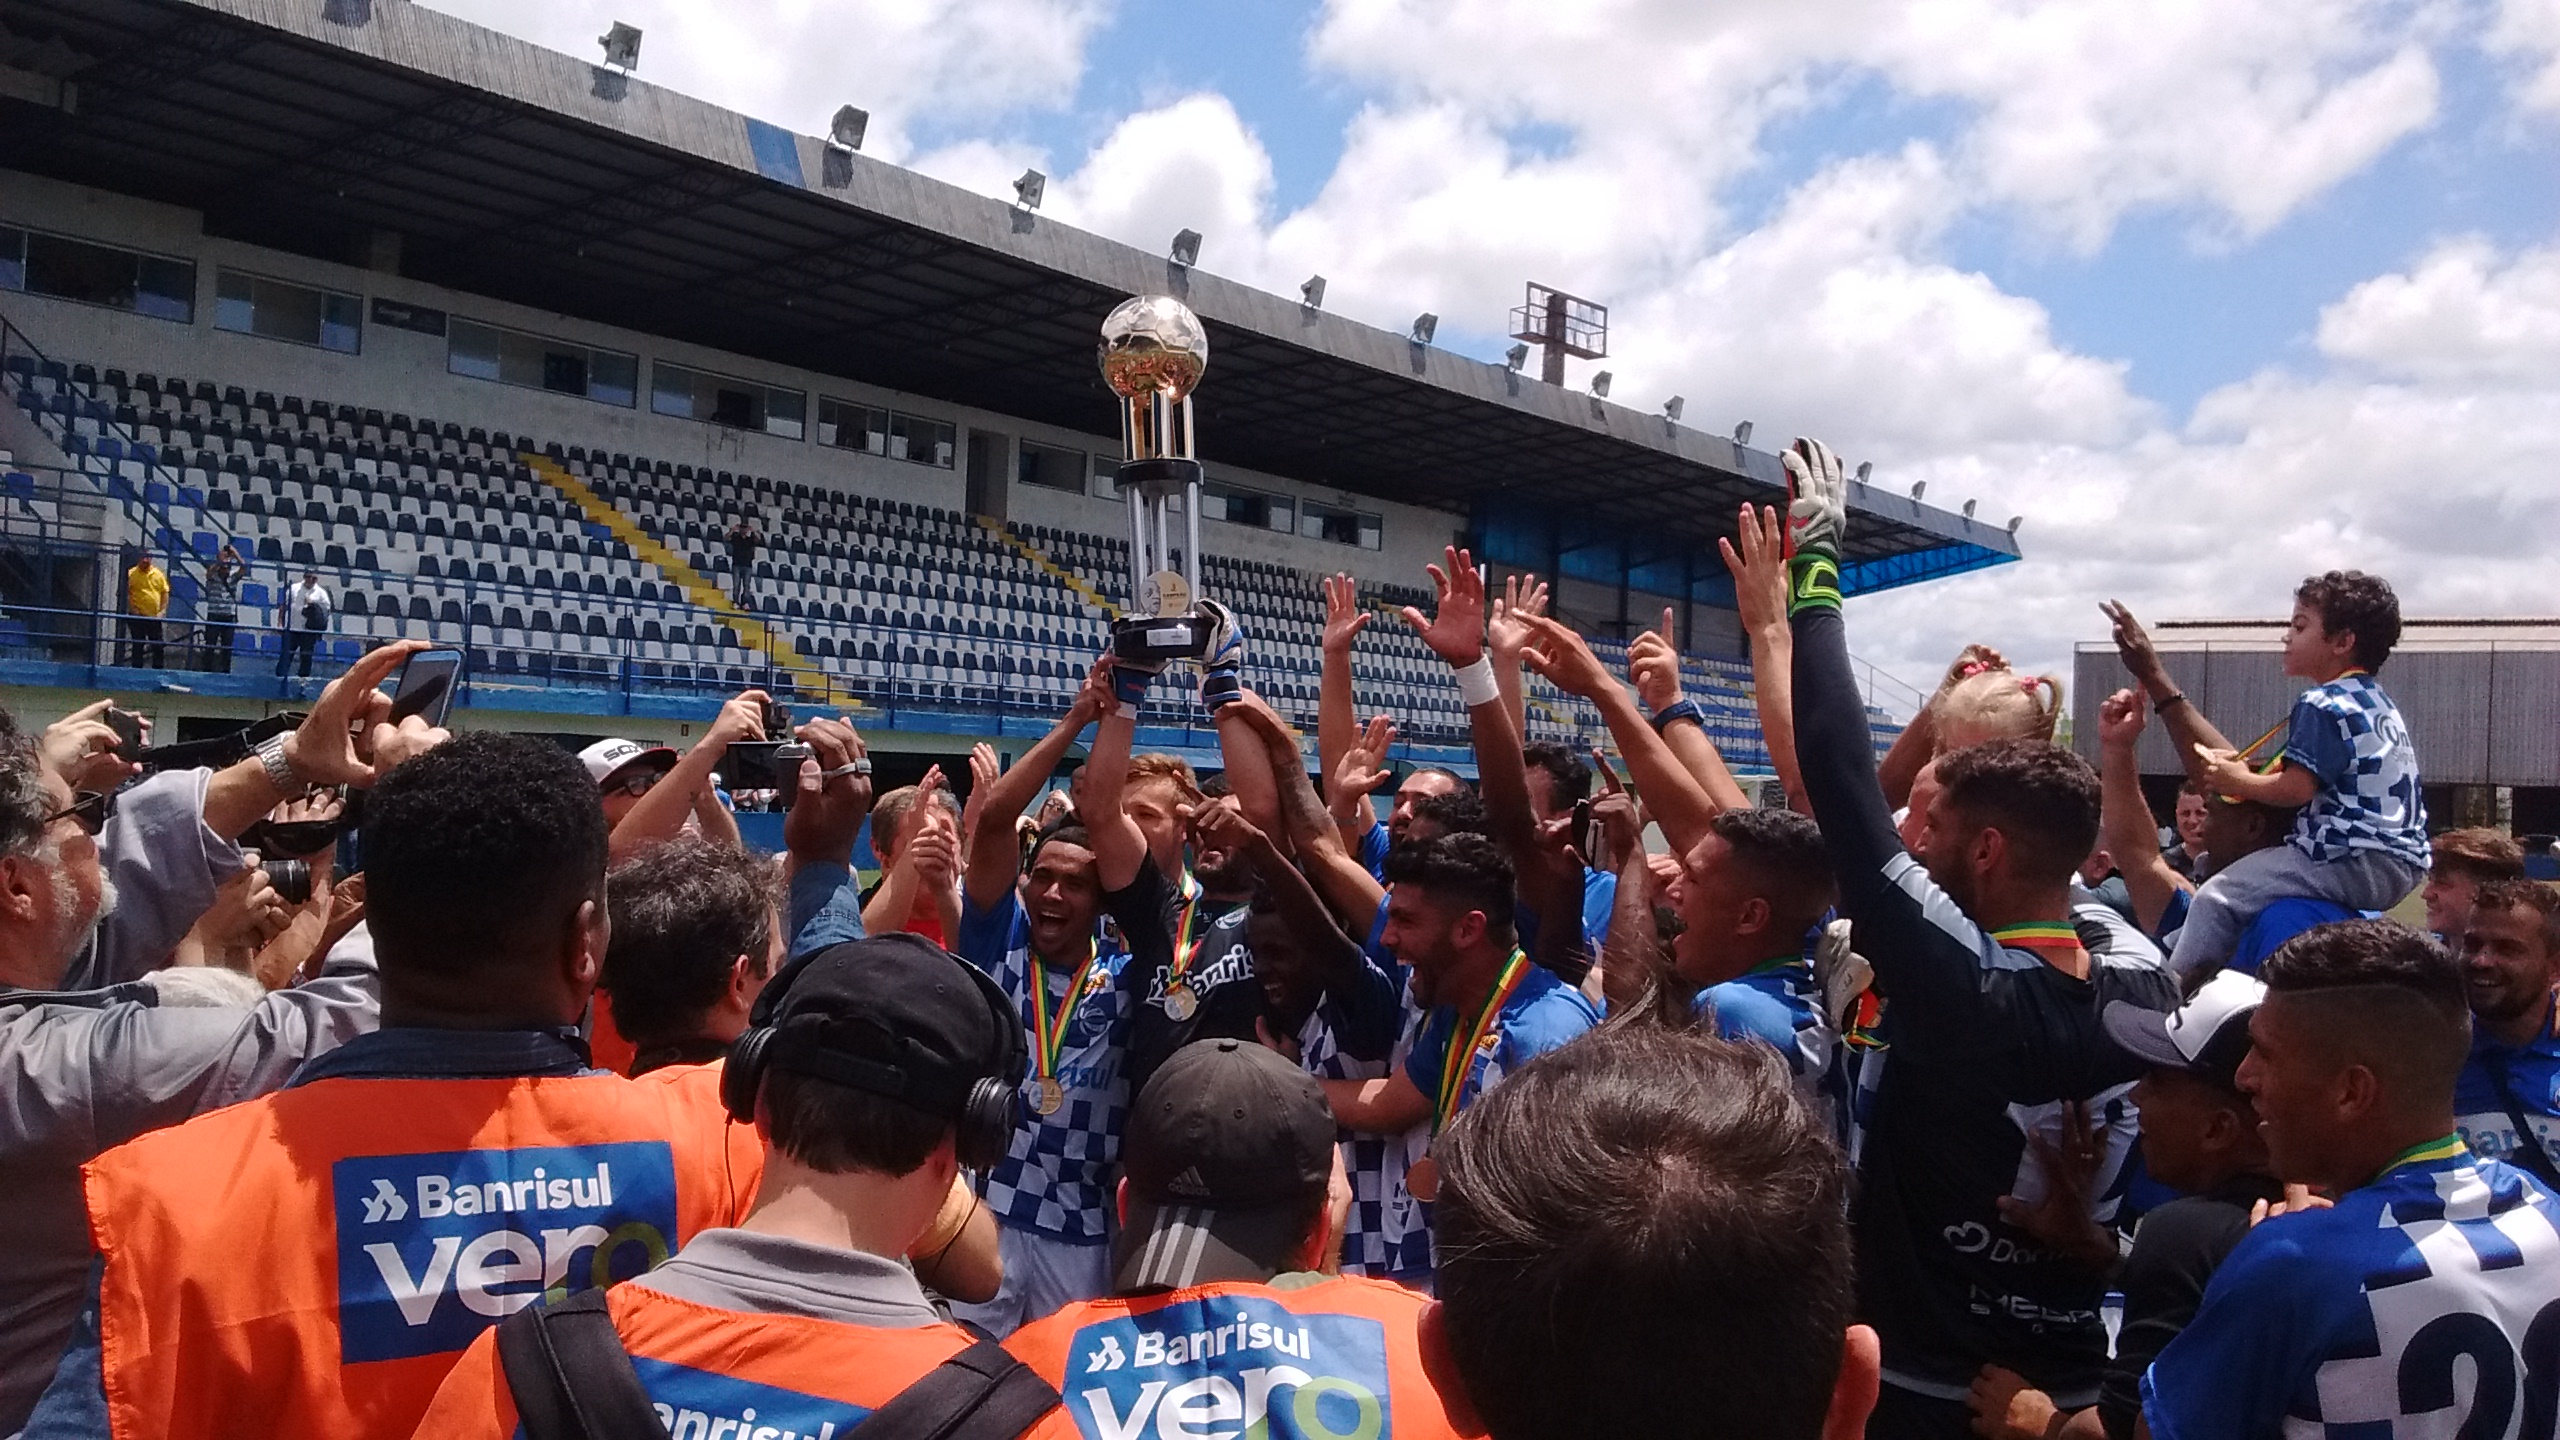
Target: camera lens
{"x": 292, "y": 878}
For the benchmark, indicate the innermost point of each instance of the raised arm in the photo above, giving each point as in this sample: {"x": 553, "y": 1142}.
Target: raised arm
{"x": 1653, "y": 664}
{"x": 1523, "y": 598}
{"x": 1337, "y": 721}
{"x": 1338, "y": 876}
{"x": 1336, "y": 955}
{"x": 995, "y": 856}
{"x": 1119, "y": 846}
{"x": 1361, "y": 773}
{"x": 2187, "y": 726}
{"x": 1455, "y": 633}
{"x": 1679, "y": 804}
{"x": 1833, "y": 742}
{"x": 2125, "y": 825}
{"x": 1759, "y": 569}
{"x": 658, "y": 815}
{"x": 886, "y": 912}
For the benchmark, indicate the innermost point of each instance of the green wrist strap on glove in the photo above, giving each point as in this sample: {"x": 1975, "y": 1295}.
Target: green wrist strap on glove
{"x": 1813, "y": 583}
{"x": 1817, "y": 516}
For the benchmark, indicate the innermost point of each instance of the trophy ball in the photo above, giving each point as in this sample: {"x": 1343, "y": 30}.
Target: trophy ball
{"x": 1153, "y": 344}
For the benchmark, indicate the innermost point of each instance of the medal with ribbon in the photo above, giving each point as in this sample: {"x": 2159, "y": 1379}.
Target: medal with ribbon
{"x": 1180, "y": 1001}
{"x": 1049, "y": 1031}
{"x": 1422, "y": 1179}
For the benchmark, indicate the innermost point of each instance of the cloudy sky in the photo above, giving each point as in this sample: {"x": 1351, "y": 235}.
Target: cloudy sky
{"x": 2215, "y": 293}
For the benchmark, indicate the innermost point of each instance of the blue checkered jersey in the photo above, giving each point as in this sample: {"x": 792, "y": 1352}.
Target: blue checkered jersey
{"x": 1058, "y": 1175}
{"x": 1387, "y": 1235}
{"x": 1780, "y": 1005}
{"x": 2424, "y": 1304}
{"x": 1543, "y": 1013}
{"x": 2501, "y": 1083}
{"x": 2348, "y": 733}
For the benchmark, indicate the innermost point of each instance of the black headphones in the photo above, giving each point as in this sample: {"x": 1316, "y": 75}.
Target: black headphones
{"x": 984, "y": 1108}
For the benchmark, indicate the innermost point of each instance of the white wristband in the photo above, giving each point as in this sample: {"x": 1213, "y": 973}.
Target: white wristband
{"x": 1476, "y": 684}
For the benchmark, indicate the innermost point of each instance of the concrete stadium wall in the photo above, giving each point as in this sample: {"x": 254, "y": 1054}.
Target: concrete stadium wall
{"x": 405, "y": 371}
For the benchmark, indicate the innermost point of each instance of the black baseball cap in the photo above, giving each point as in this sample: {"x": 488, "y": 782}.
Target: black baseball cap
{"x": 891, "y": 1015}
{"x": 1228, "y": 1152}
{"x": 2207, "y": 1036}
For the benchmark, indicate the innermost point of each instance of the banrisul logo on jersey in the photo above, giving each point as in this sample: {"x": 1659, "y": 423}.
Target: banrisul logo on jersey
{"x": 1230, "y": 1367}
{"x": 696, "y": 1403}
{"x": 433, "y": 1249}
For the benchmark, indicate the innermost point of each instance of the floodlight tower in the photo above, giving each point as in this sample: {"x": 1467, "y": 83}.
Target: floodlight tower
{"x": 1561, "y": 325}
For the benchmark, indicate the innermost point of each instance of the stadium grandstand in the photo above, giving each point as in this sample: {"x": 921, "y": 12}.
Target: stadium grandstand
{"x": 502, "y": 343}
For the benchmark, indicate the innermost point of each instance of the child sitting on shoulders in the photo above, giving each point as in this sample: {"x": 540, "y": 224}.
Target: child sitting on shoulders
{"x": 2361, "y": 837}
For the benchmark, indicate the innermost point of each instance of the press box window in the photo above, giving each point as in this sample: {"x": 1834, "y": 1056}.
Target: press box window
{"x": 848, "y": 426}
{"x": 924, "y": 441}
{"x": 692, "y": 394}
{"x": 39, "y": 264}
{"x": 1342, "y": 527}
{"x": 1050, "y": 466}
{"x": 511, "y": 357}
{"x": 1239, "y": 506}
{"x": 256, "y": 305}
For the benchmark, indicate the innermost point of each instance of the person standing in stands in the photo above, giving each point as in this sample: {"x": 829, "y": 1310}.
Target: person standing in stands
{"x": 876, "y": 1070}
{"x": 146, "y": 600}
{"x": 1226, "y": 1305}
{"x": 1993, "y": 1033}
{"x": 222, "y": 606}
{"x": 310, "y": 1263}
{"x": 306, "y": 608}
{"x": 744, "y": 540}
{"x": 2507, "y": 1101}
{"x": 2421, "y": 1302}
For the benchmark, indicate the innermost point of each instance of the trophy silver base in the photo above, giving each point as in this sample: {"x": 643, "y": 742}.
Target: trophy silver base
{"x": 1154, "y": 639}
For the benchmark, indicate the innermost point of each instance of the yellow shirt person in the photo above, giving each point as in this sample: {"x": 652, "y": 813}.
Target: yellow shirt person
{"x": 146, "y": 589}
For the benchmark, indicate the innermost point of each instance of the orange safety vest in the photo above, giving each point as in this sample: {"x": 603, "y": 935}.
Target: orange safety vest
{"x": 1334, "y": 1358}
{"x": 308, "y": 1265}
{"x": 727, "y": 1372}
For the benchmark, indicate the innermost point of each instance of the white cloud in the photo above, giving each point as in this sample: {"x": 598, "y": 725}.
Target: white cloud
{"x": 2078, "y": 113}
{"x": 2421, "y": 455}
{"x": 2462, "y": 315}
{"x": 1191, "y": 165}
{"x": 1831, "y": 318}
{"x": 794, "y": 61}
{"x": 2528, "y": 31}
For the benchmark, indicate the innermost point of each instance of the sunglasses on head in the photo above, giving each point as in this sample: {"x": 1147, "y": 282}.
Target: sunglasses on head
{"x": 89, "y": 807}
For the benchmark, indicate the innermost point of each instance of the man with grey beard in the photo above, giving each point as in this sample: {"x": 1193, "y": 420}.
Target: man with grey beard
{"x": 86, "y": 1069}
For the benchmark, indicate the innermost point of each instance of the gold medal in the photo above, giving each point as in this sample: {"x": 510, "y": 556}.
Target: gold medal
{"x": 1422, "y": 1180}
{"x": 1181, "y": 1003}
{"x": 1048, "y": 1097}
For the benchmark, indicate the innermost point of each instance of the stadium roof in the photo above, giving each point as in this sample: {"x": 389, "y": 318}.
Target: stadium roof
{"x": 524, "y": 174}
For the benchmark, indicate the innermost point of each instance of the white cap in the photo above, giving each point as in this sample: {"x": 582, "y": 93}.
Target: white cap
{"x": 2207, "y": 1035}
{"x": 605, "y": 757}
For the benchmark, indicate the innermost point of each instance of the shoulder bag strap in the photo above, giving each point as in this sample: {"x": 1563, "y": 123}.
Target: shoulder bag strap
{"x": 982, "y": 1393}
{"x": 571, "y": 1376}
